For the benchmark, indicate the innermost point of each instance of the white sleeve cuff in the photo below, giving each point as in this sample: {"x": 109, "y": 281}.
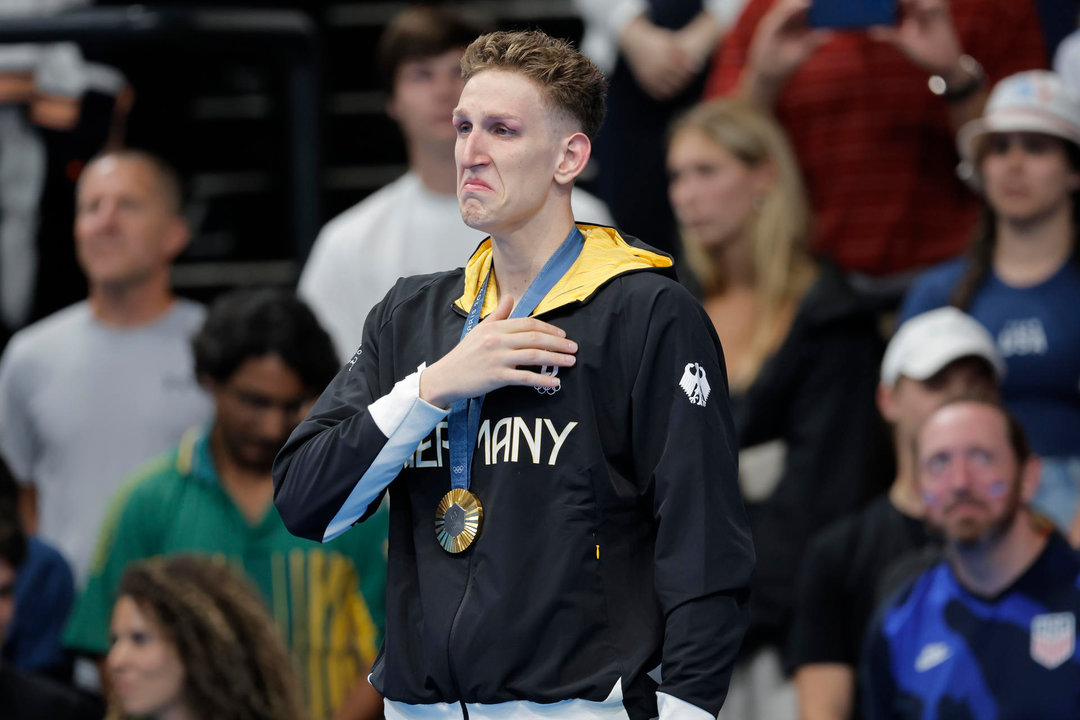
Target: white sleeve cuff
{"x": 672, "y": 708}
{"x": 405, "y": 419}
{"x": 403, "y": 410}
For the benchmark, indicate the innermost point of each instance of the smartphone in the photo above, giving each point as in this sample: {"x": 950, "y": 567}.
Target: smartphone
{"x": 851, "y": 14}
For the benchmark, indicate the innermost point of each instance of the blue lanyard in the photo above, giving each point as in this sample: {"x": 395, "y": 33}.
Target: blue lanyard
{"x": 464, "y": 419}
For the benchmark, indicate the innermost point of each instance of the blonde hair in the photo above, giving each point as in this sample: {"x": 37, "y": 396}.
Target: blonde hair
{"x": 568, "y": 80}
{"x": 779, "y": 228}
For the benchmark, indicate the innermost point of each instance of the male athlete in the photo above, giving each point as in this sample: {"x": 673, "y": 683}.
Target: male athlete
{"x": 570, "y": 540}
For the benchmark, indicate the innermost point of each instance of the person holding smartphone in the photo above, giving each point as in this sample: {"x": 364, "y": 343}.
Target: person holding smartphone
{"x": 873, "y": 111}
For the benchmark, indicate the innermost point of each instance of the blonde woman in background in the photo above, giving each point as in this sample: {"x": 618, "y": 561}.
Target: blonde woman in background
{"x": 191, "y": 640}
{"x": 802, "y": 356}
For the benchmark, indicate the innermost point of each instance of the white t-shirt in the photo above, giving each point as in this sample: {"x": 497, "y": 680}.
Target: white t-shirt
{"x": 402, "y": 229}
{"x": 83, "y": 404}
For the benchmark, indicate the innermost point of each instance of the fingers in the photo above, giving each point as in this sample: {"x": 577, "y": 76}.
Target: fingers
{"x": 501, "y": 315}
{"x": 526, "y": 325}
{"x": 883, "y": 33}
{"x": 535, "y": 357}
{"x": 541, "y": 340}
{"x": 790, "y": 14}
{"x": 531, "y": 379}
{"x": 502, "y": 310}
{"x": 528, "y": 348}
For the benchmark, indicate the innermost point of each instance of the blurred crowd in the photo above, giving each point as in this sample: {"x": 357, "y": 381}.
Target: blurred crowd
{"x": 878, "y": 209}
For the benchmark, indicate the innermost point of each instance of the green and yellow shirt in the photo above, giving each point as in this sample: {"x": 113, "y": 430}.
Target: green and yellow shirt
{"x": 327, "y": 599}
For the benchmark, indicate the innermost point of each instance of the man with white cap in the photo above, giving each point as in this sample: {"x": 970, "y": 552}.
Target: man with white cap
{"x": 936, "y": 356}
{"x": 1021, "y": 276}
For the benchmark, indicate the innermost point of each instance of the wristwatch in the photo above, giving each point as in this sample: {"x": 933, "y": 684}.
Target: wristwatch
{"x": 957, "y": 93}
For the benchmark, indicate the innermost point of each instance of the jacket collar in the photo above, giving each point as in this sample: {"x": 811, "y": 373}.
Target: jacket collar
{"x": 606, "y": 255}
{"x": 193, "y": 458}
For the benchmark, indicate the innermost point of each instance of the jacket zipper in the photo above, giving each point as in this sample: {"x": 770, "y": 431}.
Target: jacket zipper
{"x": 450, "y": 640}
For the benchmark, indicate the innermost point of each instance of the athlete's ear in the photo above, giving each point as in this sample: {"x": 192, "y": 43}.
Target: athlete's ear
{"x": 573, "y": 158}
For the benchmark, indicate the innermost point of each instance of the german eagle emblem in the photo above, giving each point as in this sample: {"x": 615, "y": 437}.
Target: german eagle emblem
{"x": 695, "y": 384}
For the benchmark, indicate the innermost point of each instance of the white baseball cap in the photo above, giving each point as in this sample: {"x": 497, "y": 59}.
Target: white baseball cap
{"x": 928, "y": 342}
{"x": 1031, "y": 101}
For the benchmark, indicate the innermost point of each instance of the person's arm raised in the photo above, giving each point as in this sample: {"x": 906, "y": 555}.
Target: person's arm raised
{"x": 927, "y": 36}
{"x": 490, "y": 357}
{"x": 337, "y": 463}
{"x": 782, "y": 42}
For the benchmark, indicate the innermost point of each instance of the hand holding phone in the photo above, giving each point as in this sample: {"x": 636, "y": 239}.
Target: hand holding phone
{"x": 782, "y": 42}
{"x": 925, "y": 34}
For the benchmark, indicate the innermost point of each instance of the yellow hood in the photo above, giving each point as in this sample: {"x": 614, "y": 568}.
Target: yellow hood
{"x": 604, "y": 256}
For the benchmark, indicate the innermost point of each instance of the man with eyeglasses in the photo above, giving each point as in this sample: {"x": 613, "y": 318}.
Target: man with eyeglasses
{"x": 263, "y": 358}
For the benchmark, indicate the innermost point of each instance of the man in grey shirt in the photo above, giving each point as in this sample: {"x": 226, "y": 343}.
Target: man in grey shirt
{"x": 93, "y": 391}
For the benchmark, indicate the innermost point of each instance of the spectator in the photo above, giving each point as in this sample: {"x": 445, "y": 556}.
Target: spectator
{"x": 56, "y": 108}
{"x": 1021, "y": 277}
{"x": 191, "y": 640}
{"x": 876, "y": 145}
{"x": 935, "y": 356}
{"x": 263, "y": 358}
{"x": 24, "y": 696}
{"x": 990, "y": 631}
{"x": 32, "y": 643}
{"x": 801, "y": 353}
{"x": 412, "y": 226}
{"x": 655, "y": 53}
{"x": 89, "y": 393}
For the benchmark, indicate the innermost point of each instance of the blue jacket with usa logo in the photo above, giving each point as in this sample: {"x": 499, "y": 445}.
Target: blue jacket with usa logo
{"x": 610, "y": 576}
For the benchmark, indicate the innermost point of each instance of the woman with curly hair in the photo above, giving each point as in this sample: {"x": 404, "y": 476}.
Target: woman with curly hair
{"x": 190, "y": 640}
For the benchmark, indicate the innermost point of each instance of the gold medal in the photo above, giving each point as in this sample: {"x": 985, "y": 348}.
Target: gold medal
{"x": 458, "y": 520}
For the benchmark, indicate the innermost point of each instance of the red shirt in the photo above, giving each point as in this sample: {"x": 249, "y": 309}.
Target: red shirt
{"x": 874, "y": 143}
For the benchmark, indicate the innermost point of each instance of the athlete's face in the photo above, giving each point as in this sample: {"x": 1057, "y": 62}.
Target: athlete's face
{"x": 1027, "y": 175}
{"x": 425, "y": 92}
{"x": 970, "y": 478}
{"x": 144, "y": 666}
{"x": 257, "y": 408}
{"x": 508, "y": 149}
{"x": 712, "y": 192}
{"x": 125, "y": 231}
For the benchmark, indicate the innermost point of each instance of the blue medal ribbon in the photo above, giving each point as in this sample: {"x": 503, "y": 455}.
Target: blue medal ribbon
{"x": 464, "y": 421}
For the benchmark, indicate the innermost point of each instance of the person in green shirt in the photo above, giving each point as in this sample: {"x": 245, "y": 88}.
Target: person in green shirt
{"x": 264, "y": 359}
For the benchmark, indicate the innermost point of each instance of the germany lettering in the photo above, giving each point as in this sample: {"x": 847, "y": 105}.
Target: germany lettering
{"x": 509, "y": 440}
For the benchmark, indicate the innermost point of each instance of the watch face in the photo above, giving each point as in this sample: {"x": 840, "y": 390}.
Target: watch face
{"x": 962, "y": 87}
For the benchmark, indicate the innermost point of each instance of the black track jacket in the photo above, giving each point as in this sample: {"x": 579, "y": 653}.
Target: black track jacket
{"x": 614, "y": 535}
